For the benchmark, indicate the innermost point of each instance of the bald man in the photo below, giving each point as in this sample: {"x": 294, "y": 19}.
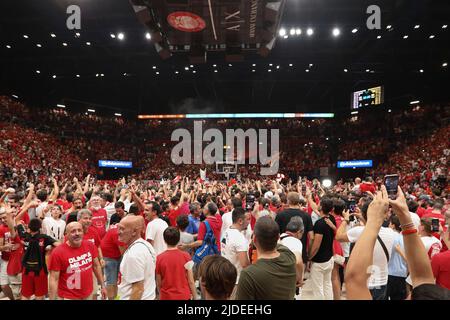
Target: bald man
{"x": 137, "y": 268}
{"x": 72, "y": 266}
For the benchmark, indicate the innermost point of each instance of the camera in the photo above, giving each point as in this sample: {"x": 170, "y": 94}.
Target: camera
{"x": 435, "y": 225}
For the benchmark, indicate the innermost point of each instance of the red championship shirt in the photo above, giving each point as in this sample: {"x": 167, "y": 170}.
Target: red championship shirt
{"x": 215, "y": 223}
{"x": 76, "y": 269}
{"x": 110, "y": 243}
{"x": 99, "y": 220}
{"x": 441, "y": 269}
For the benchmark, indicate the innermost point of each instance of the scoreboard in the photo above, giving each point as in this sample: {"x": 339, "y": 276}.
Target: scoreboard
{"x": 198, "y": 27}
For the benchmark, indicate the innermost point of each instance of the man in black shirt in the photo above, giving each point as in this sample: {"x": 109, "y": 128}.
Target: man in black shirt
{"x": 293, "y": 210}
{"x": 321, "y": 252}
{"x": 120, "y": 213}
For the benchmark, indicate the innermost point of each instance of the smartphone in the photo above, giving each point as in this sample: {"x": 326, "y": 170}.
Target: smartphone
{"x": 391, "y": 183}
{"x": 435, "y": 225}
{"x": 352, "y": 206}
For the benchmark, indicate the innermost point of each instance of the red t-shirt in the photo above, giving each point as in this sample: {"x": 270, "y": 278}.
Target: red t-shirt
{"x": 216, "y": 224}
{"x": 99, "y": 220}
{"x": 422, "y": 211}
{"x": 6, "y": 235}
{"x": 173, "y": 215}
{"x": 64, "y": 204}
{"x": 364, "y": 187}
{"x": 110, "y": 243}
{"x": 170, "y": 265}
{"x": 76, "y": 269}
{"x": 441, "y": 269}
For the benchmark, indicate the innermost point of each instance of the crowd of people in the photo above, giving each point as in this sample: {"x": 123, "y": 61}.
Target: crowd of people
{"x": 254, "y": 239}
{"x": 162, "y": 233}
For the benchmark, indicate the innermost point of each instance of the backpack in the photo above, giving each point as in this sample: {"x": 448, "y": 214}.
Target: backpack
{"x": 32, "y": 259}
{"x": 208, "y": 247}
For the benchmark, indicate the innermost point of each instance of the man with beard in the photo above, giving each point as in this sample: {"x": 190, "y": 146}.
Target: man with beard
{"x": 72, "y": 266}
{"x": 99, "y": 216}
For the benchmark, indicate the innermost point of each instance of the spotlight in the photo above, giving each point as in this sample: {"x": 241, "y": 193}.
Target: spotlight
{"x": 25, "y": 36}
{"x": 345, "y": 70}
{"x": 444, "y": 64}
{"x": 8, "y": 46}
{"x": 78, "y": 75}
{"x": 113, "y": 35}
{"x": 253, "y": 70}
{"x": 414, "y": 102}
{"x": 118, "y": 114}
{"x": 326, "y": 183}
{"x": 444, "y": 26}
{"x": 77, "y": 34}
{"x": 421, "y": 70}
{"x": 310, "y": 32}
{"x": 61, "y": 106}
{"x": 88, "y": 43}
{"x": 186, "y": 68}
{"x": 389, "y": 27}
{"x": 292, "y": 32}
{"x": 53, "y": 35}
{"x": 176, "y": 72}
{"x": 355, "y": 30}
{"x": 378, "y": 37}
{"x": 417, "y": 26}
{"x": 389, "y": 110}
{"x": 298, "y": 31}
{"x": 215, "y": 71}
{"x": 91, "y": 110}
{"x": 121, "y": 36}
{"x": 148, "y": 36}
{"x": 154, "y": 67}
{"x": 336, "y": 32}
{"x": 102, "y": 75}
{"x": 282, "y": 32}
{"x": 432, "y": 36}
{"x": 64, "y": 44}
{"x": 38, "y": 72}
{"x": 405, "y": 36}
{"x": 39, "y": 45}
{"x": 290, "y": 65}
{"x": 54, "y": 76}
{"x": 307, "y": 70}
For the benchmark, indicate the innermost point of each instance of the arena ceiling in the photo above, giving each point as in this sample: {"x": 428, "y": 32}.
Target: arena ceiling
{"x": 314, "y": 73}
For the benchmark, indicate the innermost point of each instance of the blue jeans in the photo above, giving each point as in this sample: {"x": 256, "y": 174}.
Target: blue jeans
{"x": 380, "y": 293}
{"x": 111, "y": 271}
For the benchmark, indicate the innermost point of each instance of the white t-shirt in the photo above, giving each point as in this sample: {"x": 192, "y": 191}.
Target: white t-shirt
{"x": 292, "y": 243}
{"x": 227, "y": 221}
{"x": 138, "y": 263}
{"x": 379, "y": 275}
{"x": 432, "y": 246}
{"x": 54, "y": 228}
{"x": 232, "y": 243}
{"x": 154, "y": 232}
{"x": 110, "y": 210}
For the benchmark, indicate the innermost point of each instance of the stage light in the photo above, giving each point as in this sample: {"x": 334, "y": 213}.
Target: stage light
{"x": 25, "y": 36}
{"x": 326, "y": 183}
{"x": 176, "y": 72}
{"x": 421, "y": 70}
{"x": 91, "y": 110}
{"x": 52, "y": 35}
{"x": 64, "y": 44}
{"x": 253, "y": 70}
{"x": 414, "y": 102}
{"x": 286, "y": 36}
{"x": 254, "y": 65}
{"x": 270, "y": 64}
{"x": 39, "y": 45}
{"x": 307, "y": 70}
{"x": 310, "y": 31}
{"x": 8, "y": 46}
{"x": 154, "y": 67}
{"x": 215, "y": 71}
{"x": 61, "y": 106}
{"x": 148, "y": 36}
{"x": 125, "y": 74}
{"x": 367, "y": 70}
{"x": 186, "y": 68}
{"x": 191, "y": 66}
{"x": 214, "y": 65}
{"x": 311, "y": 65}
{"x": 282, "y": 32}
{"x": 157, "y": 72}
{"x": 38, "y": 72}
{"x": 113, "y": 35}
{"x": 54, "y": 76}
{"x": 354, "y": 112}
{"x": 298, "y": 31}
{"x": 230, "y": 65}
{"x": 121, "y": 36}
{"x": 444, "y": 26}
{"x": 355, "y": 30}
{"x": 270, "y": 70}
{"x": 389, "y": 110}
{"x": 118, "y": 114}
{"x": 290, "y": 64}
{"x": 432, "y": 36}
{"x": 194, "y": 71}
{"x": 78, "y": 75}
{"x": 405, "y": 36}
{"x": 417, "y": 26}
{"x": 389, "y": 27}
{"x": 14, "y": 96}
{"x": 88, "y": 43}
{"x": 444, "y": 64}
{"x": 102, "y": 75}
{"x": 278, "y": 67}
{"x": 77, "y": 35}
{"x": 378, "y": 37}
{"x": 292, "y": 32}
{"x": 345, "y": 70}
{"x": 97, "y": 75}
{"x": 336, "y": 32}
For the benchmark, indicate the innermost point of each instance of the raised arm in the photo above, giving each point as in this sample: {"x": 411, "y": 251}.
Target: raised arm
{"x": 55, "y": 193}
{"x": 418, "y": 261}
{"x": 361, "y": 259}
